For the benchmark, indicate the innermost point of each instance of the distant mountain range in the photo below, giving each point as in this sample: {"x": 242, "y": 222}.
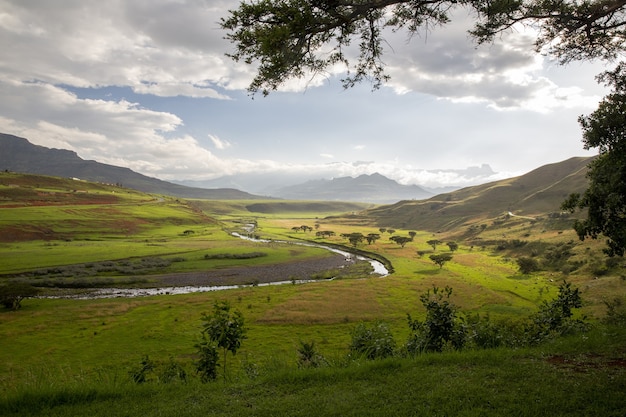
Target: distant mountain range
{"x": 539, "y": 191}
{"x": 19, "y": 155}
{"x": 374, "y": 188}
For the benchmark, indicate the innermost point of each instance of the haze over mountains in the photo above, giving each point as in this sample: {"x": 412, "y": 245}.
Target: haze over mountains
{"x": 539, "y": 191}
{"x": 19, "y": 155}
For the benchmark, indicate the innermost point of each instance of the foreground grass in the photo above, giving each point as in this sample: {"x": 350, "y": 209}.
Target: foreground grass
{"x": 582, "y": 375}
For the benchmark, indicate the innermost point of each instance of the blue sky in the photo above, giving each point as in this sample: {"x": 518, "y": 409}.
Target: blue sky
{"x": 146, "y": 84}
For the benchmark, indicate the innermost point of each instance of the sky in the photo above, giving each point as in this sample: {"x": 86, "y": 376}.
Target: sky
{"x": 146, "y": 84}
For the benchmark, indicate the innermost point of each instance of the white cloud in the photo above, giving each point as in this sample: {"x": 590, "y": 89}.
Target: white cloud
{"x": 219, "y": 143}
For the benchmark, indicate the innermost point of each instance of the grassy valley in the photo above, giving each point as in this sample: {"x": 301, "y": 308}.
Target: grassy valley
{"x": 75, "y": 356}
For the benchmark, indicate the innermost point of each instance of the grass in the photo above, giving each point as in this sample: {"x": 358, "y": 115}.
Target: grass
{"x": 72, "y": 357}
{"x": 576, "y": 376}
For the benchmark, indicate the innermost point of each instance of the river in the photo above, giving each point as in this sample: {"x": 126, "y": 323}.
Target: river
{"x": 378, "y": 269}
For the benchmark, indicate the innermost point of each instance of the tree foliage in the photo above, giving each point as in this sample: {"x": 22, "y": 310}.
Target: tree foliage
{"x": 441, "y": 259}
{"x": 222, "y": 329}
{"x": 354, "y": 238}
{"x": 401, "y": 240}
{"x": 605, "y": 198}
{"x": 372, "y": 238}
{"x": 439, "y": 327}
{"x": 12, "y": 294}
{"x": 289, "y": 39}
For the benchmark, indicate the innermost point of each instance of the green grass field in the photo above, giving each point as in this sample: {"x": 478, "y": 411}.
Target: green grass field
{"x": 73, "y": 357}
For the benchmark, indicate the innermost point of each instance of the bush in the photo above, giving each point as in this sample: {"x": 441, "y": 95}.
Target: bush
{"x": 374, "y": 342}
{"x": 554, "y": 318}
{"x": 440, "y": 327}
{"x": 527, "y": 265}
{"x": 480, "y": 332}
{"x": 616, "y": 312}
{"x": 206, "y": 365}
{"x": 308, "y": 356}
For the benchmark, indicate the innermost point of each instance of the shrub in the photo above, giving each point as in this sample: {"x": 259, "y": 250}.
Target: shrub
{"x": 554, "y": 318}
{"x": 206, "y": 365}
{"x": 308, "y": 356}
{"x": 527, "y": 265}
{"x": 440, "y": 326}
{"x": 140, "y": 374}
{"x": 616, "y": 312}
{"x": 480, "y": 332}
{"x": 375, "y": 342}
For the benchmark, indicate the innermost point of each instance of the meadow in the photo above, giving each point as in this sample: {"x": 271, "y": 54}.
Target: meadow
{"x": 74, "y": 357}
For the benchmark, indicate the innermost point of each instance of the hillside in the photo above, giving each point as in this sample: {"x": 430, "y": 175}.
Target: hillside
{"x": 374, "y": 188}
{"x": 536, "y": 193}
{"x": 19, "y": 155}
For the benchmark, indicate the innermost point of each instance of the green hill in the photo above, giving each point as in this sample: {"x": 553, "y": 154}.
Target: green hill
{"x": 536, "y": 193}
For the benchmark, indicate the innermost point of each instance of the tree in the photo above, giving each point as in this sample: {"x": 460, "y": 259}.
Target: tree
{"x": 434, "y": 243}
{"x": 325, "y": 233}
{"x": 401, "y": 240}
{"x": 453, "y": 246}
{"x": 605, "y": 197}
{"x": 289, "y": 39}
{"x": 12, "y": 294}
{"x": 441, "y": 259}
{"x": 412, "y": 234}
{"x": 372, "y": 238}
{"x": 440, "y": 325}
{"x": 225, "y": 329}
{"x": 354, "y": 238}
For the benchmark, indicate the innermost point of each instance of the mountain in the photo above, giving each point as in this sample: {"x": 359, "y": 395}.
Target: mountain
{"x": 19, "y": 155}
{"x": 374, "y": 188}
{"x": 539, "y": 192}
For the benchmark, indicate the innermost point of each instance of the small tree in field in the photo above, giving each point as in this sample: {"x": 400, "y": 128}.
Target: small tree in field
{"x": 441, "y": 259}
{"x": 453, "y": 246}
{"x": 401, "y": 240}
{"x": 372, "y": 238}
{"x": 354, "y": 238}
{"x": 223, "y": 329}
{"x": 434, "y": 243}
{"x": 12, "y": 294}
{"x": 439, "y": 327}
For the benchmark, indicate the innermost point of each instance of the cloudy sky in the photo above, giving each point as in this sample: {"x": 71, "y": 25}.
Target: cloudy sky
{"x": 146, "y": 84}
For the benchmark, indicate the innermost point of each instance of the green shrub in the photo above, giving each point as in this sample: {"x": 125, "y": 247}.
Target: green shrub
{"x": 375, "y": 342}
{"x": 440, "y": 326}
{"x": 527, "y": 265}
{"x": 308, "y": 356}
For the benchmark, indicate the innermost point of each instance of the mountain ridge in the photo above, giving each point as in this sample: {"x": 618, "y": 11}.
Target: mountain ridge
{"x": 19, "y": 155}
{"x": 539, "y": 192}
{"x": 372, "y": 188}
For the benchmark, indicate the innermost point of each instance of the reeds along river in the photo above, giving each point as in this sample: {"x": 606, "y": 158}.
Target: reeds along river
{"x": 378, "y": 269}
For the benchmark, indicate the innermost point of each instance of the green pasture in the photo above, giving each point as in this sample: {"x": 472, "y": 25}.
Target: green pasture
{"x": 50, "y": 346}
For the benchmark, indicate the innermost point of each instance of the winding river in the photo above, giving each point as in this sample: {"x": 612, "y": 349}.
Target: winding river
{"x": 378, "y": 270}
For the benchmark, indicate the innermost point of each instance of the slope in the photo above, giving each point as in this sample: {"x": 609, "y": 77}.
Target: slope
{"x": 536, "y": 193}
{"x": 19, "y": 155}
